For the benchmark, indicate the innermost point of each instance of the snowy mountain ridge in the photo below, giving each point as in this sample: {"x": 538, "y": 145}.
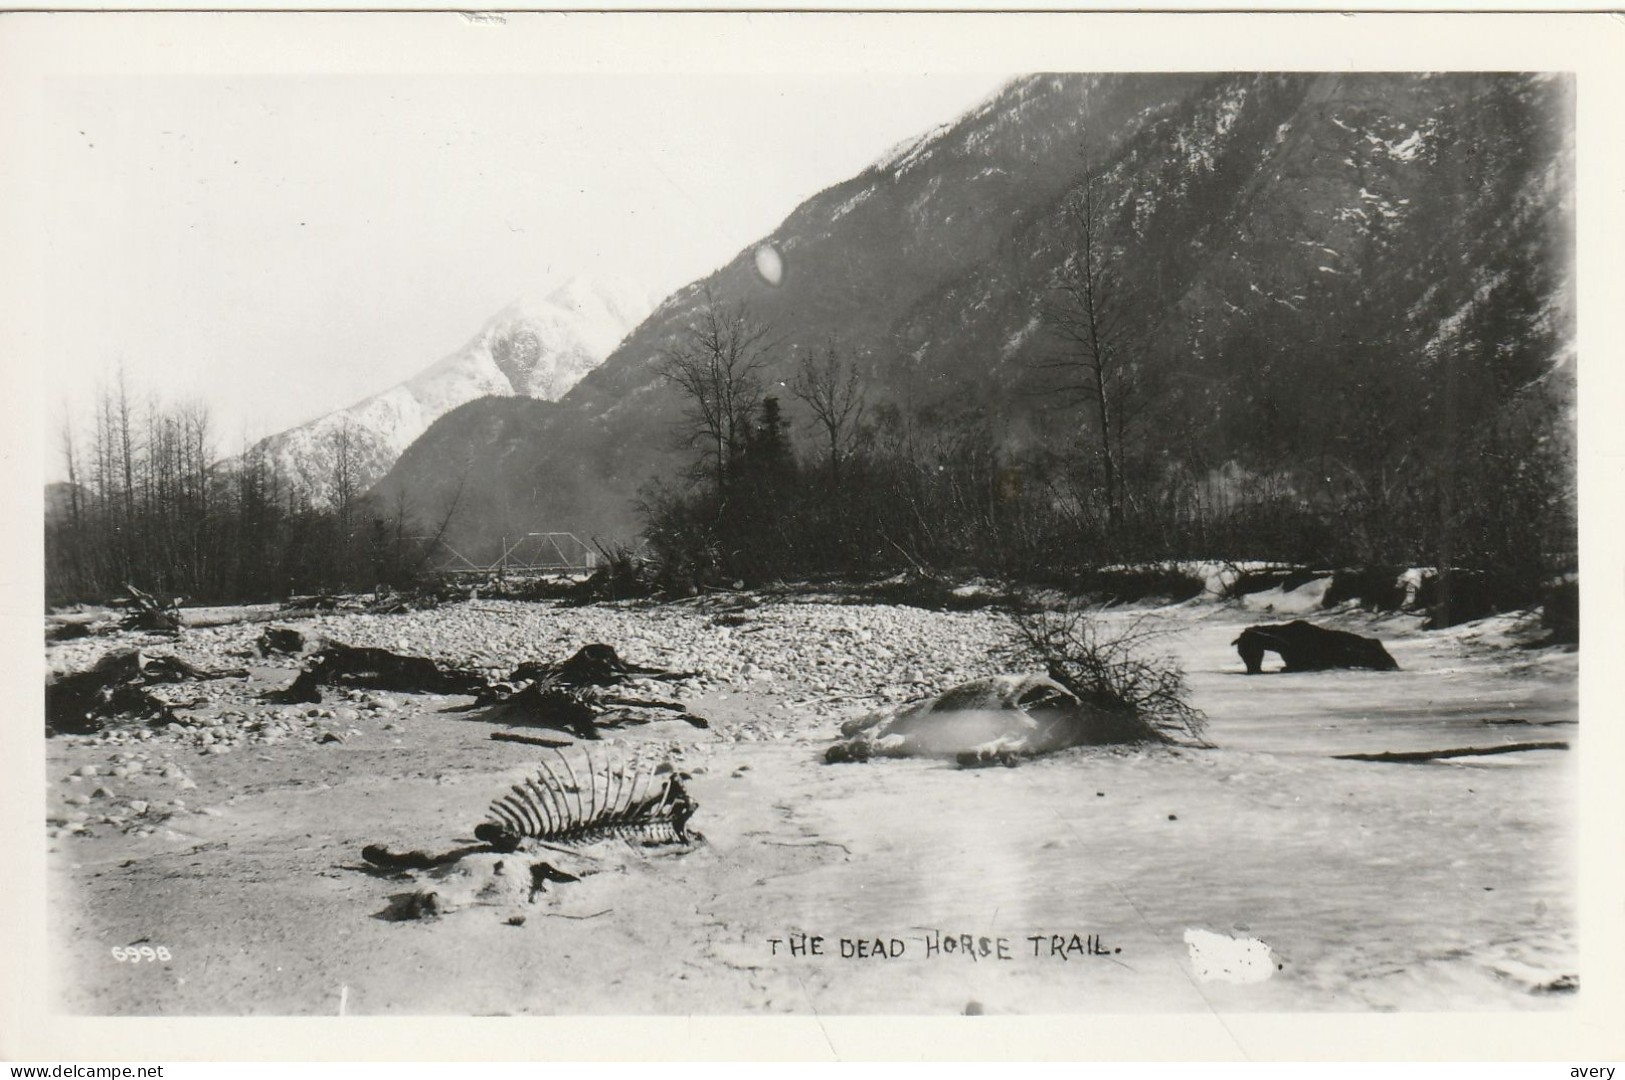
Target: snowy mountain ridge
{"x": 530, "y": 348}
{"x": 1299, "y": 253}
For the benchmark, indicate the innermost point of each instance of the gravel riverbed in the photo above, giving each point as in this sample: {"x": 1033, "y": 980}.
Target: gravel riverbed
{"x": 170, "y": 834}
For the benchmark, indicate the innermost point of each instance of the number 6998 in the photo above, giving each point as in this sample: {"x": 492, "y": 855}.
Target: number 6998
{"x": 137, "y": 954}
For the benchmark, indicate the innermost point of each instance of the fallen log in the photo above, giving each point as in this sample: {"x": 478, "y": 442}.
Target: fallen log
{"x": 1465, "y": 751}
{"x": 528, "y": 740}
{"x": 67, "y": 631}
{"x": 148, "y": 613}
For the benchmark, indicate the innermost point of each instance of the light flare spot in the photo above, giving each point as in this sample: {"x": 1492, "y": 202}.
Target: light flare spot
{"x": 769, "y": 264}
{"x": 1222, "y": 958}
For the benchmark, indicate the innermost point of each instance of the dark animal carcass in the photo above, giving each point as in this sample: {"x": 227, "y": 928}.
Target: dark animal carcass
{"x": 592, "y": 665}
{"x": 79, "y": 703}
{"x": 337, "y": 664}
{"x": 1303, "y": 646}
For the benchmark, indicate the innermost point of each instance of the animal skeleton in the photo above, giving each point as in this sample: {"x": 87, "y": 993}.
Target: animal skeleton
{"x": 551, "y": 809}
{"x": 558, "y": 807}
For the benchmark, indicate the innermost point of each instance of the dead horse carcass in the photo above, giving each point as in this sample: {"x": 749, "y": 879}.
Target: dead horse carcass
{"x": 997, "y": 719}
{"x": 1304, "y": 646}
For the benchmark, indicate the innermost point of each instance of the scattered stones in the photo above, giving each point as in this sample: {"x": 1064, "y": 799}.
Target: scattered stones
{"x": 821, "y": 662}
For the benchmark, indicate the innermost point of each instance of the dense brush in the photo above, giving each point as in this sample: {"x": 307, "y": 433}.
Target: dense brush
{"x": 558, "y": 806}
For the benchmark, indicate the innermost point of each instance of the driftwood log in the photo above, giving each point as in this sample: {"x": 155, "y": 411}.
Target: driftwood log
{"x": 147, "y": 612}
{"x": 528, "y": 740}
{"x": 1465, "y": 751}
{"x": 1303, "y": 646}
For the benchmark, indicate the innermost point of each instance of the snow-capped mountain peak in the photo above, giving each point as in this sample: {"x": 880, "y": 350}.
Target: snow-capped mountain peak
{"x": 535, "y": 348}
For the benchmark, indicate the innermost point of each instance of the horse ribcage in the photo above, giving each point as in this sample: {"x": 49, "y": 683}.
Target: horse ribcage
{"x": 562, "y": 804}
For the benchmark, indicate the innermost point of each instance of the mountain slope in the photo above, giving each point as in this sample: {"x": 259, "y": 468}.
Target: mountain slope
{"x": 1302, "y": 254}
{"x": 538, "y": 350}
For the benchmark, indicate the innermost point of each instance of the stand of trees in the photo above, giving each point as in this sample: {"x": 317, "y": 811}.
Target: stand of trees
{"x": 872, "y": 488}
{"x": 148, "y": 501}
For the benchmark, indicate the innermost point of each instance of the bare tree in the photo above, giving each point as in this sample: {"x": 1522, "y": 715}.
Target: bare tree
{"x": 345, "y": 477}
{"x": 718, "y": 368}
{"x": 71, "y": 459}
{"x": 828, "y": 384}
{"x": 1099, "y": 365}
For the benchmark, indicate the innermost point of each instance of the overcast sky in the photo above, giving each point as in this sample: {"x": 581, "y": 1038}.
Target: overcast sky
{"x": 280, "y": 246}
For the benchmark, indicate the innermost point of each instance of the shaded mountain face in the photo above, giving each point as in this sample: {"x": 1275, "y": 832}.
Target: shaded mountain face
{"x": 483, "y": 449}
{"x": 538, "y": 350}
{"x": 1305, "y": 261}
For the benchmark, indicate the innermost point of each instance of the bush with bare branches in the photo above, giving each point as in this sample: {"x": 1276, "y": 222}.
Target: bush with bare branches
{"x": 1115, "y": 670}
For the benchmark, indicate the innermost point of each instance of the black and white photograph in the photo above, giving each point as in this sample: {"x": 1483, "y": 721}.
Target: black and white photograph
{"x": 798, "y": 516}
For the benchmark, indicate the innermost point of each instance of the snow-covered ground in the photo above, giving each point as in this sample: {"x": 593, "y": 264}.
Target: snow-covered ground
{"x": 1263, "y": 874}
